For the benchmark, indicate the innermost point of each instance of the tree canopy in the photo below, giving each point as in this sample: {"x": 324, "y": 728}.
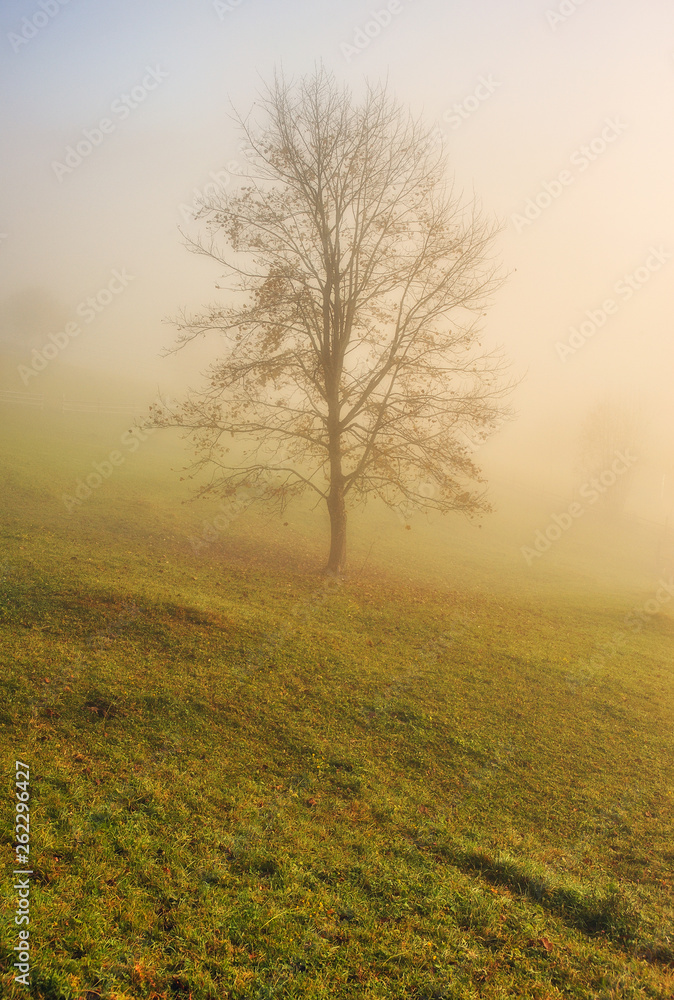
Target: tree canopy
{"x": 355, "y": 282}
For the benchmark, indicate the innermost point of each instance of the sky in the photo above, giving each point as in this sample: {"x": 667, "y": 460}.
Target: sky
{"x": 556, "y": 114}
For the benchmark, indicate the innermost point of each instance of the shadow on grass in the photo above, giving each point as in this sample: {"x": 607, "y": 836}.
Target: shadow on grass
{"x": 610, "y": 911}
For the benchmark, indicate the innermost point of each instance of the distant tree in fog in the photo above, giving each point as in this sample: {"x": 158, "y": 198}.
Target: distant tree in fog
{"x": 358, "y": 279}
{"x": 610, "y": 428}
{"x": 28, "y": 316}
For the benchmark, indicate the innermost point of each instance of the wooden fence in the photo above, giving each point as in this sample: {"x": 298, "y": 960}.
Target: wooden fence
{"x": 65, "y": 405}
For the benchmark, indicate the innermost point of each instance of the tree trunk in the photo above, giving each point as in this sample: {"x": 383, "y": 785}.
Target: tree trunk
{"x": 337, "y": 511}
{"x": 336, "y": 503}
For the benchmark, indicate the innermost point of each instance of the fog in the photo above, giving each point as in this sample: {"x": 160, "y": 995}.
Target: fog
{"x": 559, "y": 123}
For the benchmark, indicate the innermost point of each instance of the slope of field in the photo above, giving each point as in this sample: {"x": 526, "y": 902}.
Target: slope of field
{"x": 447, "y": 776}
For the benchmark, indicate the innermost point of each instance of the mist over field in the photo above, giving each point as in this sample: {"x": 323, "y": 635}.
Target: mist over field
{"x": 281, "y": 742}
{"x": 526, "y": 97}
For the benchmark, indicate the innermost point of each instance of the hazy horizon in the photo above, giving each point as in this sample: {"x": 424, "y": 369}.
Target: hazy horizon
{"x": 523, "y": 96}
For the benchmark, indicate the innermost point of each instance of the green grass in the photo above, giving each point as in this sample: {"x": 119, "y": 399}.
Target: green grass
{"x": 250, "y": 783}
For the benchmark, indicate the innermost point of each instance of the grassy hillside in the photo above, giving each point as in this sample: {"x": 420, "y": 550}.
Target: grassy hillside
{"x": 448, "y": 776}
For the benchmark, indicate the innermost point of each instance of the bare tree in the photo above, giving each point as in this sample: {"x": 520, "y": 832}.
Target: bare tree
{"x": 612, "y": 428}
{"x": 358, "y": 278}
